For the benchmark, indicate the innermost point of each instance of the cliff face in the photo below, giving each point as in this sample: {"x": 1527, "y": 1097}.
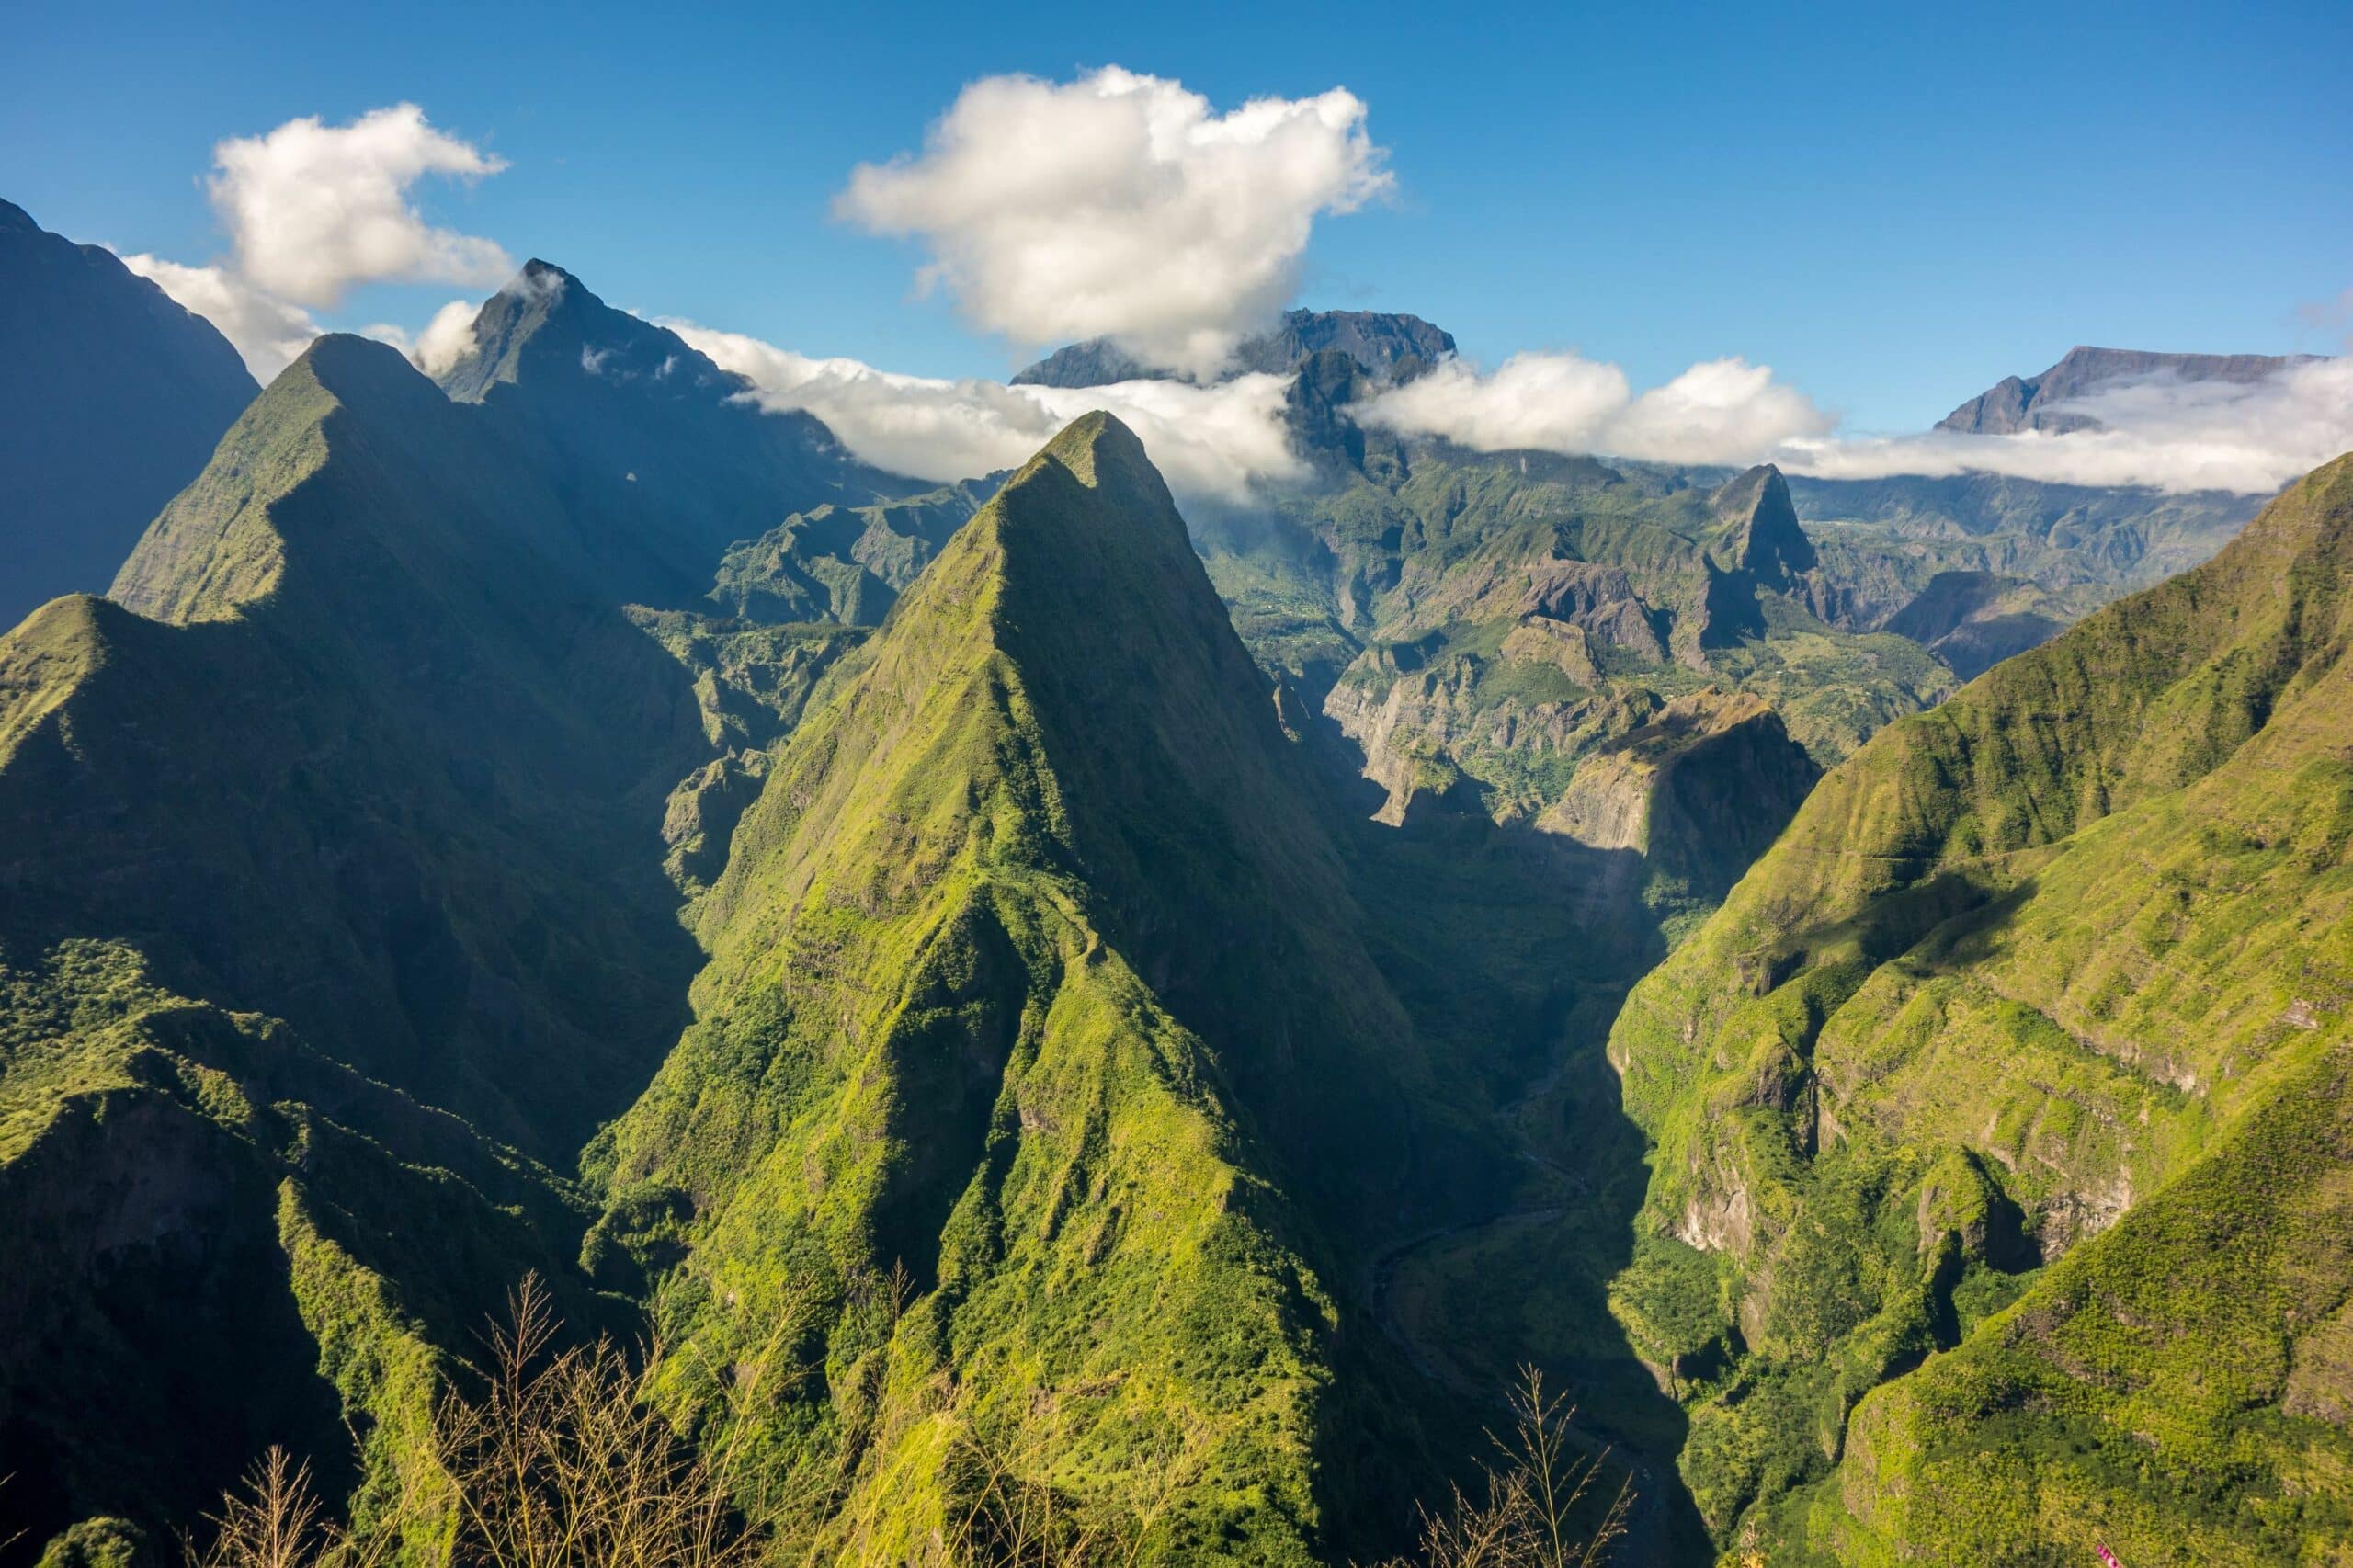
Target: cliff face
{"x": 1972, "y": 620}
{"x": 2028, "y": 402}
{"x": 1699, "y": 791}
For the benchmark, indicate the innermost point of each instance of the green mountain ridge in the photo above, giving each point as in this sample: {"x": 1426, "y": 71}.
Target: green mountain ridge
{"x": 1033, "y": 975}
{"x": 345, "y": 925}
{"x": 2023, "y": 1045}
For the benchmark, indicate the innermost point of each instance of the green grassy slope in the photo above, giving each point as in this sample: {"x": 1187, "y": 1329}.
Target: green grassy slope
{"x": 401, "y": 761}
{"x": 2067, "y": 949}
{"x": 1034, "y": 974}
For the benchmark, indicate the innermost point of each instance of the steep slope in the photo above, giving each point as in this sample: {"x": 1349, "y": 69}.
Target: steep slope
{"x": 1035, "y": 986}
{"x": 1972, "y": 620}
{"x": 662, "y": 458}
{"x": 337, "y": 921}
{"x": 2037, "y": 402}
{"x": 111, "y": 397}
{"x": 2050, "y": 979}
{"x": 1388, "y": 346}
{"x": 386, "y": 705}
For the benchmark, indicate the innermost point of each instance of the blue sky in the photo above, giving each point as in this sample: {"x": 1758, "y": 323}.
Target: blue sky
{"x": 1891, "y": 212}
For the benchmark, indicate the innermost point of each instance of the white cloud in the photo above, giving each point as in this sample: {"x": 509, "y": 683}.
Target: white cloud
{"x": 2161, "y": 432}
{"x": 267, "y": 332}
{"x": 1721, "y": 411}
{"x": 1121, "y": 204}
{"x": 1213, "y": 442}
{"x": 446, "y": 338}
{"x": 1718, "y": 411}
{"x": 313, "y": 209}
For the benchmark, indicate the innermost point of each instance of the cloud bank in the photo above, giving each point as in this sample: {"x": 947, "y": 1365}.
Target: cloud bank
{"x": 314, "y": 209}
{"x": 2161, "y": 433}
{"x": 1120, "y": 205}
{"x": 1721, "y": 411}
{"x": 1216, "y": 443}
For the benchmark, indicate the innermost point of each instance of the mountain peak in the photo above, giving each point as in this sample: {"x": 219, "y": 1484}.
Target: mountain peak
{"x": 1769, "y": 541}
{"x": 113, "y": 398}
{"x": 340, "y": 359}
{"x": 1096, "y": 446}
{"x": 1090, "y": 493}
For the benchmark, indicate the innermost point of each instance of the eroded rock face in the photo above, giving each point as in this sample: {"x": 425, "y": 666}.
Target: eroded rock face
{"x": 1698, "y": 791}
{"x": 1598, "y": 600}
{"x": 1972, "y": 620}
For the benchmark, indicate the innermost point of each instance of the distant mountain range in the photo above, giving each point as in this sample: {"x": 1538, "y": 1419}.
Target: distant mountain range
{"x": 110, "y": 400}
{"x": 2036, "y": 403}
{"x": 1385, "y": 346}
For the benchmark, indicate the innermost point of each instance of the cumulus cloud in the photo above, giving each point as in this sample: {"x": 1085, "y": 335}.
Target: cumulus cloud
{"x": 311, "y": 209}
{"x": 2159, "y": 432}
{"x": 1721, "y": 411}
{"x": 1122, "y": 206}
{"x": 265, "y": 330}
{"x": 1210, "y": 442}
{"x": 446, "y": 338}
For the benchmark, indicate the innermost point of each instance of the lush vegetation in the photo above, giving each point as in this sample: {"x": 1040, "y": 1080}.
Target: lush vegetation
{"x": 2054, "y": 972}
{"x": 930, "y": 966}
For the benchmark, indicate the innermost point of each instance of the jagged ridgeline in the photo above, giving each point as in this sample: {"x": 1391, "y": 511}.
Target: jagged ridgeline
{"x": 2003, "y": 1193}
{"x": 334, "y": 915}
{"x": 1035, "y": 984}
{"x": 1037, "y": 1083}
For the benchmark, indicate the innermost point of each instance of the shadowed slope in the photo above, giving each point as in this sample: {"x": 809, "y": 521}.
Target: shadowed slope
{"x": 112, "y": 397}
{"x": 658, "y": 455}
{"x": 344, "y": 868}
